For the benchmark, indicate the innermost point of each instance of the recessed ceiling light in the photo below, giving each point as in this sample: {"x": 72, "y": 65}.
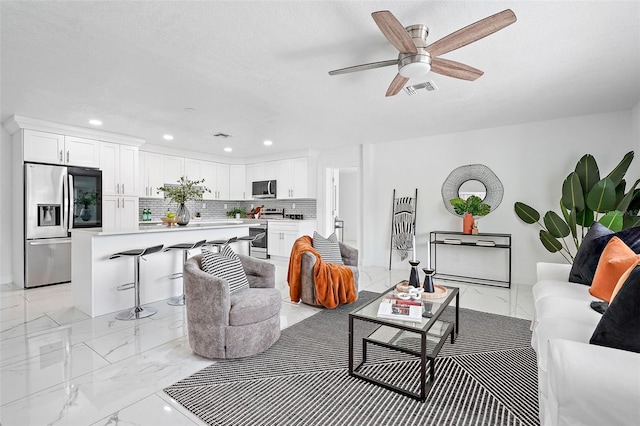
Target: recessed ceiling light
{"x": 189, "y": 109}
{"x": 95, "y": 122}
{"x": 268, "y": 143}
{"x": 228, "y": 149}
{"x": 167, "y": 137}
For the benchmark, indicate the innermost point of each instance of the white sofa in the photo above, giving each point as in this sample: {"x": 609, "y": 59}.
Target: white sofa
{"x": 578, "y": 383}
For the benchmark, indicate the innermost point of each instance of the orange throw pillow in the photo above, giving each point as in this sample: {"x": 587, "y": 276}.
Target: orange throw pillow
{"x": 615, "y": 260}
{"x": 623, "y": 279}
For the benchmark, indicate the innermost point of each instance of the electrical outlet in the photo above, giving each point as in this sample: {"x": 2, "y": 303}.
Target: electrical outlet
{"x": 204, "y": 206}
{"x": 251, "y": 205}
{"x": 225, "y": 206}
{"x": 293, "y": 207}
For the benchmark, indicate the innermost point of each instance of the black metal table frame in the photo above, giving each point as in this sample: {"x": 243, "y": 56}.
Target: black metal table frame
{"x": 425, "y": 386}
{"x": 434, "y": 242}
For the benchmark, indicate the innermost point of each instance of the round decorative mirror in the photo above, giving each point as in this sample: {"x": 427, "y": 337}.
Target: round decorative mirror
{"x": 472, "y": 187}
{"x": 472, "y": 179}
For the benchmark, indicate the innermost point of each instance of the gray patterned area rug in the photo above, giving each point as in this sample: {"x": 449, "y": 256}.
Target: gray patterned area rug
{"x": 487, "y": 377}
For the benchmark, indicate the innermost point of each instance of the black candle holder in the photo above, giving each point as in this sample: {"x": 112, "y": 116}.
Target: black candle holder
{"x": 428, "y": 279}
{"x": 414, "y": 277}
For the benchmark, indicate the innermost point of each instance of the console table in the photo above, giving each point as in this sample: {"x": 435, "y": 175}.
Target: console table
{"x": 470, "y": 242}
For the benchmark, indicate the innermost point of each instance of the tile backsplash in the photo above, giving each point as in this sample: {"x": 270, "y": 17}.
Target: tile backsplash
{"x": 215, "y": 209}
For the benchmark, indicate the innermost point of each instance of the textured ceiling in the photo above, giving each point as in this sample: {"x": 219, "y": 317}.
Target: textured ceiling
{"x": 258, "y": 69}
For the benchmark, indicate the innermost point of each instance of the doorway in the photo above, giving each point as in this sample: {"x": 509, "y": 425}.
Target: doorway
{"x": 342, "y": 197}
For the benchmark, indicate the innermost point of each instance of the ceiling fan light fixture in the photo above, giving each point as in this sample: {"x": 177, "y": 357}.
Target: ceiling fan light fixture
{"x": 415, "y": 69}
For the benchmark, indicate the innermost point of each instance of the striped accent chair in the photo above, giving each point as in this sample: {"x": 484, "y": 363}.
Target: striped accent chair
{"x": 225, "y": 324}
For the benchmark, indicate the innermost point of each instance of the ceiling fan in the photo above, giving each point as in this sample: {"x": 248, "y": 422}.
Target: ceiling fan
{"x": 417, "y": 58}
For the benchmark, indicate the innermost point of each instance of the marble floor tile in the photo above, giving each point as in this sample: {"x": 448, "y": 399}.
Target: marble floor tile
{"x": 117, "y": 369}
{"x": 22, "y": 326}
{"x": 40, "y": 372}
{"x": 131, "y": 341}
{"x": 487, "y": 299}
{"x": 93, "y": 396}
{"x": 66, "y": 316}
{"x": 152, "y": 410}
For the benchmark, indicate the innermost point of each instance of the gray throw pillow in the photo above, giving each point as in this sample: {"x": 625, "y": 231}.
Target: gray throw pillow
{"x": 225, "y": 265}
{"x": 328, "y": 248}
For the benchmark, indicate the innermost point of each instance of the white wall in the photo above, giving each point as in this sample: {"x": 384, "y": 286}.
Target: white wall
{"x": 635, "y": 130}
{"x": 6, "y": 253}
{"x": 530, "y": 159}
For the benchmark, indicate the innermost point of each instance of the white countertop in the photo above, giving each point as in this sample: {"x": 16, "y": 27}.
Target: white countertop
{"x": 151, "y": 227}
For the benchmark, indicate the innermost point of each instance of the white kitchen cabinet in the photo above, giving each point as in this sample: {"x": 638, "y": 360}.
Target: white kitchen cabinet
{"x": 157, "y": 169}
{"x": 208, "y": 173}
{"x": 259, "y": 171}
{"x": 295, "y": 179}
{"x": 282, "y": 234}
{"x": 150, "y": 175}
{"x": 52, "y": 148}
{"x": 119, "y": 165}
{"x": 249, "y": 177}
{"x": 216, "y": 178}
{"x": 119, "y": 213}
{"x": 172, "y": 169}
{"x": 272, "y": 170}
{"x": 222, "y": 181}
{"x": 193, "y": 169}
{"x": 237, "y": 187}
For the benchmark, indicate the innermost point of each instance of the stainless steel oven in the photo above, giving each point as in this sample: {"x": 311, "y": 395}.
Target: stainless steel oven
{"x": 258, "y": 247}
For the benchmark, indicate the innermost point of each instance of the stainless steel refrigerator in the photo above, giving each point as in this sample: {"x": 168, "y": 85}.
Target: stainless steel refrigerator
{"x": 57, "y": 199}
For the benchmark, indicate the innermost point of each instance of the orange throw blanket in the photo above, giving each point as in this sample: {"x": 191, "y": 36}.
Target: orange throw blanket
{"x": 335, "y": 284}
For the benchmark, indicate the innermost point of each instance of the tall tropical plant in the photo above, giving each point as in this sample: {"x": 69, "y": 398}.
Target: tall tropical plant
{"x": 587, "y": 198}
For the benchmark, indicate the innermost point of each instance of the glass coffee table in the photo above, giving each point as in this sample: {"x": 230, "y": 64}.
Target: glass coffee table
{"x": 422, "y": 339}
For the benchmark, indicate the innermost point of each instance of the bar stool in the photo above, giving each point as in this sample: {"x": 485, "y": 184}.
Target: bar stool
{"x": 251, "y": 239}
{"x": 137, "y": 311}
{"x": 217, "y": 244}
{"x": 185, "y": 247}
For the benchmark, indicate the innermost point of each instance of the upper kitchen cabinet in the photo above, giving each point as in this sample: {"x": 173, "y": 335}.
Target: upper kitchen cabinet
{"x": 216, "y": 178}
{"x": 150, "y": 174}
{"x": 296, "y": 178}
{"x": 119, "y": 165}
{"x": 237, "y": 186}
{"x": 52, "y": 148}
{"x": 193, "y": 169}
{"x": 172, "y": 169}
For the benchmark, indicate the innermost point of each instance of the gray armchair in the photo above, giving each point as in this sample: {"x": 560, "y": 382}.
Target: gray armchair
{"x": 307, "y": 282}
{"x": 223, "y": 325}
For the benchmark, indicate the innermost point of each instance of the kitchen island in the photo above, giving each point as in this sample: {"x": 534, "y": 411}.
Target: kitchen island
{"x": 95, "y": 278}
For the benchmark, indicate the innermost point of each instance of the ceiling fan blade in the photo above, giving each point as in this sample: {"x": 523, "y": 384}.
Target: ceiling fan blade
{"x": 396, "y": 85}
{"x": 471, "y": 33}
{"x": 394, "y": 31}
{"x": 455, "y": 69}
{"x": 363, "y": 67}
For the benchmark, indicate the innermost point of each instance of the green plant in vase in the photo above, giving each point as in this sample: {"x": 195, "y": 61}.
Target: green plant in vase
{"x": 587, "y": 198}
{"x": 235, "y": 212}
{"x": 468, "y": 209}
{"x": 86, "y": 199}
{"x": 185, "y": 190}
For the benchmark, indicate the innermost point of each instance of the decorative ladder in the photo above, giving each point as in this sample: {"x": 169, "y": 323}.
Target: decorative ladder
{"x": 403, "y": 225}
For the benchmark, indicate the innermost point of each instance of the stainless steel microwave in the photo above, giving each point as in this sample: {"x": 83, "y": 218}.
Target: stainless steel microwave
{"x": 264, "y": 189}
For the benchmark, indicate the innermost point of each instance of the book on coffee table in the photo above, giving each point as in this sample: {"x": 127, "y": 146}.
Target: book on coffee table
{"x": 399, "y": 310}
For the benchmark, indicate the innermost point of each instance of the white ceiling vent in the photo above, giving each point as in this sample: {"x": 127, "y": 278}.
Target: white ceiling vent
{"x": 427, "y": 86}
{"x": 221, "y": 135}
